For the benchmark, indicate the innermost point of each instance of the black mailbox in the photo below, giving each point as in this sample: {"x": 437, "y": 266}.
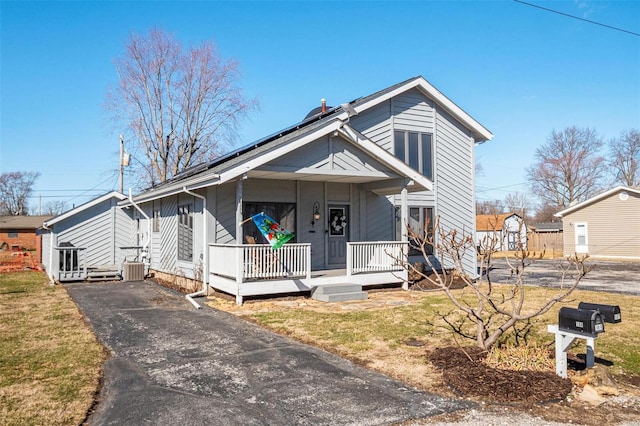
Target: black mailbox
{"x": 609, "y": 313}
{"x": 582, "y": 321}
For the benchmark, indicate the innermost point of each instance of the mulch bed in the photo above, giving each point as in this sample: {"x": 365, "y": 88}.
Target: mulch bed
{"x": 464, "y": 371}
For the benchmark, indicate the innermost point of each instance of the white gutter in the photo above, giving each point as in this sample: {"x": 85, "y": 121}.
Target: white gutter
{"x": 50, "y": 268}
{"x": 205, "y": 256}
{"x": 145, "y": 246}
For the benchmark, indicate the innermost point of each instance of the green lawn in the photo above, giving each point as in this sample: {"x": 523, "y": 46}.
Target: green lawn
{"x": 50, "y": 361}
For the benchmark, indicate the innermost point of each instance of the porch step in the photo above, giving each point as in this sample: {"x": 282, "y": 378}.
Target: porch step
{"x": 338, "y": 293}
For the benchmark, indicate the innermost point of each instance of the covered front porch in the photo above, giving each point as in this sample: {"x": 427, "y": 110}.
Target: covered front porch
{"x": 253, "y": 269}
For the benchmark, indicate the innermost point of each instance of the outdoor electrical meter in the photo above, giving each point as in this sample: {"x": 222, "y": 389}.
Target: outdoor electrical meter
{"x": 581, "y": 321}
{"x": 610, "y": 313}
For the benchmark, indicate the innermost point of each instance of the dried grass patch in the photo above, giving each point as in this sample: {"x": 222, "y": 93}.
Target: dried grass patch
{"x": 375, "y": 332}
{"x": 50, "y": 361}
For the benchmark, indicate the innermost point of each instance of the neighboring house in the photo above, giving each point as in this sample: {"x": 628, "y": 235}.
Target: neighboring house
{"x": 344, "y": 180}
{"x": 545, "y": 236}
{"x": 90, "y": 241}
{"x": 607, "y": 225}
{"x": 18, "y": 233}
{"x": 507, "y": 229}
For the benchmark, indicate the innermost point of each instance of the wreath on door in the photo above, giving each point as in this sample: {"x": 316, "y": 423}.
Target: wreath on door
{"x": 338, "y": 222}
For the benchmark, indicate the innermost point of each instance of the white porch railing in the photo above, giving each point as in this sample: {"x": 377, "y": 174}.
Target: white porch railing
{"x": 376, "y": 256}
{"x": 72, "y": 263}
{"x": 257, "y": 261}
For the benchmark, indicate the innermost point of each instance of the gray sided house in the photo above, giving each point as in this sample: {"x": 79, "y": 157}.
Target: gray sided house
{"x": 344, "y": 180}
{"x": 89, "y": 241}
{"x": 605, "y": 226}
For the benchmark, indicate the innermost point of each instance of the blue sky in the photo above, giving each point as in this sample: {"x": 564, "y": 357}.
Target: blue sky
{"x": 520, "y": 71}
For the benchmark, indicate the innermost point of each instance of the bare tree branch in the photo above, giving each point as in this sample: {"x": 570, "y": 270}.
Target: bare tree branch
{"x": 493, "y": 312}
{"x": 624, "y": 157}
{"x": 568, "y": 167}
{"x": 183, "y": 106}
{"x": 15, "y": 190}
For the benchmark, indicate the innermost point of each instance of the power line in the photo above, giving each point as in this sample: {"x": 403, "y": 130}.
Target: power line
{"x": 480, "y": 189}
{"x": 578, "y": 18}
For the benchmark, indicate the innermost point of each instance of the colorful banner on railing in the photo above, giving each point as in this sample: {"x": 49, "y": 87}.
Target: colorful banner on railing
{"x": 275, "y": 234}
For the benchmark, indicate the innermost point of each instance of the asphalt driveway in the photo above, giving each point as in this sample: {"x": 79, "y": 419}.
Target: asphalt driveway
{"x": 171, "y": 364}
{"x": 606, "y": 275}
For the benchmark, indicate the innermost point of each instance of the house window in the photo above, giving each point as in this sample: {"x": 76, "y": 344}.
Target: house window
{"x": 415, "y": 149}
{"x": 13, "y": 233}
{"x": 185, "y": 232}
{"x": 581, "y": 234}
{"x": 283, "y": 213}
{"x": 156, "y": 220}
{"x": 421, "y": 223}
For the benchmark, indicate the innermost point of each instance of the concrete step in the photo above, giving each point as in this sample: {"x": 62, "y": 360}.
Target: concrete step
{"x": 337, "y": 288}
{"x": 341, "y": 297}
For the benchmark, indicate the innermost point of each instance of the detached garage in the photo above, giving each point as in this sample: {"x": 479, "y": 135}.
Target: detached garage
{"x": 606, "y": 226}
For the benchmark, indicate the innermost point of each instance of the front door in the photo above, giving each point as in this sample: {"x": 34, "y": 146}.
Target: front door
{"x": 338, "y": 234}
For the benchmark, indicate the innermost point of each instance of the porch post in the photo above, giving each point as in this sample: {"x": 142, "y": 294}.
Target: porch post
{"x": 404, "y": 220}
{"x": 404, "y": 213}
{"x": 239, "y": 250}
{"x": 239, "y": 218}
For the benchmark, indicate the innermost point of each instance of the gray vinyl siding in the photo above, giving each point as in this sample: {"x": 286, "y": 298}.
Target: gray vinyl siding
{"x": 375, "y": 124}
{"x": 310, "y": 193}
{"x": 123, "y": 233}
{"x": 93, "y": 229}
{"x": 380, "y": 218}
{"x": 156, "y": 237}
{"x": 266, "y": 190}
{"x": 413, "y": 111}
{"x": 225, "y": 214}
{"x": 166, "y": 254}
{"x": 613, "y": 227}
{"x": 453, "y": 196}
{"x": 329, "y": 153}
{"x": 454, "y": 180}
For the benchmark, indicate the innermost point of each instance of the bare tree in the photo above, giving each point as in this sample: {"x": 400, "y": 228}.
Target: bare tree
{"x": 517, "y": 202}
{"x": 15, "y": 190}
{"x": 182, "y": 105}
{"x": 568, "y": 168}
{"x": 624, "y": 157}
{"x": 489, "y": 207}
{"x": 54, "y": 208}
{"x": 486, "y": 311}
{"x": 545, "y": 212}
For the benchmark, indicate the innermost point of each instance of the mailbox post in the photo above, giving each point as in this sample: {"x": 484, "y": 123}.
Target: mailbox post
{"x": 575, "y": 324}
{"x": 586, "y": 322}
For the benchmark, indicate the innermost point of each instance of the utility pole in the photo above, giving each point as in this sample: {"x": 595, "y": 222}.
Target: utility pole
{"x": 124, "y": 161}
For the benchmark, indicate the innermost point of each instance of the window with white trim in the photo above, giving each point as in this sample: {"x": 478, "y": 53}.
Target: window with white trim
{"x": 415, "y": 149}
{"x": 421, "y": 223}
{"x": 185, "y": 232}
{"x": 156, "y": 220}
{"x": 581, "y": 234}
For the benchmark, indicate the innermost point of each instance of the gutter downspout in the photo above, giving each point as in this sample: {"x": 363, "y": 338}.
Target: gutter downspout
{"x": 145, "y": 246}
{"x": 50, "y": 268}
{"x": 205, "y": 257}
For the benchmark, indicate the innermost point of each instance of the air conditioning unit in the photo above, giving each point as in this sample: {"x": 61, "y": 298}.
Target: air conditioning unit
{"x": 133, "y": 271}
